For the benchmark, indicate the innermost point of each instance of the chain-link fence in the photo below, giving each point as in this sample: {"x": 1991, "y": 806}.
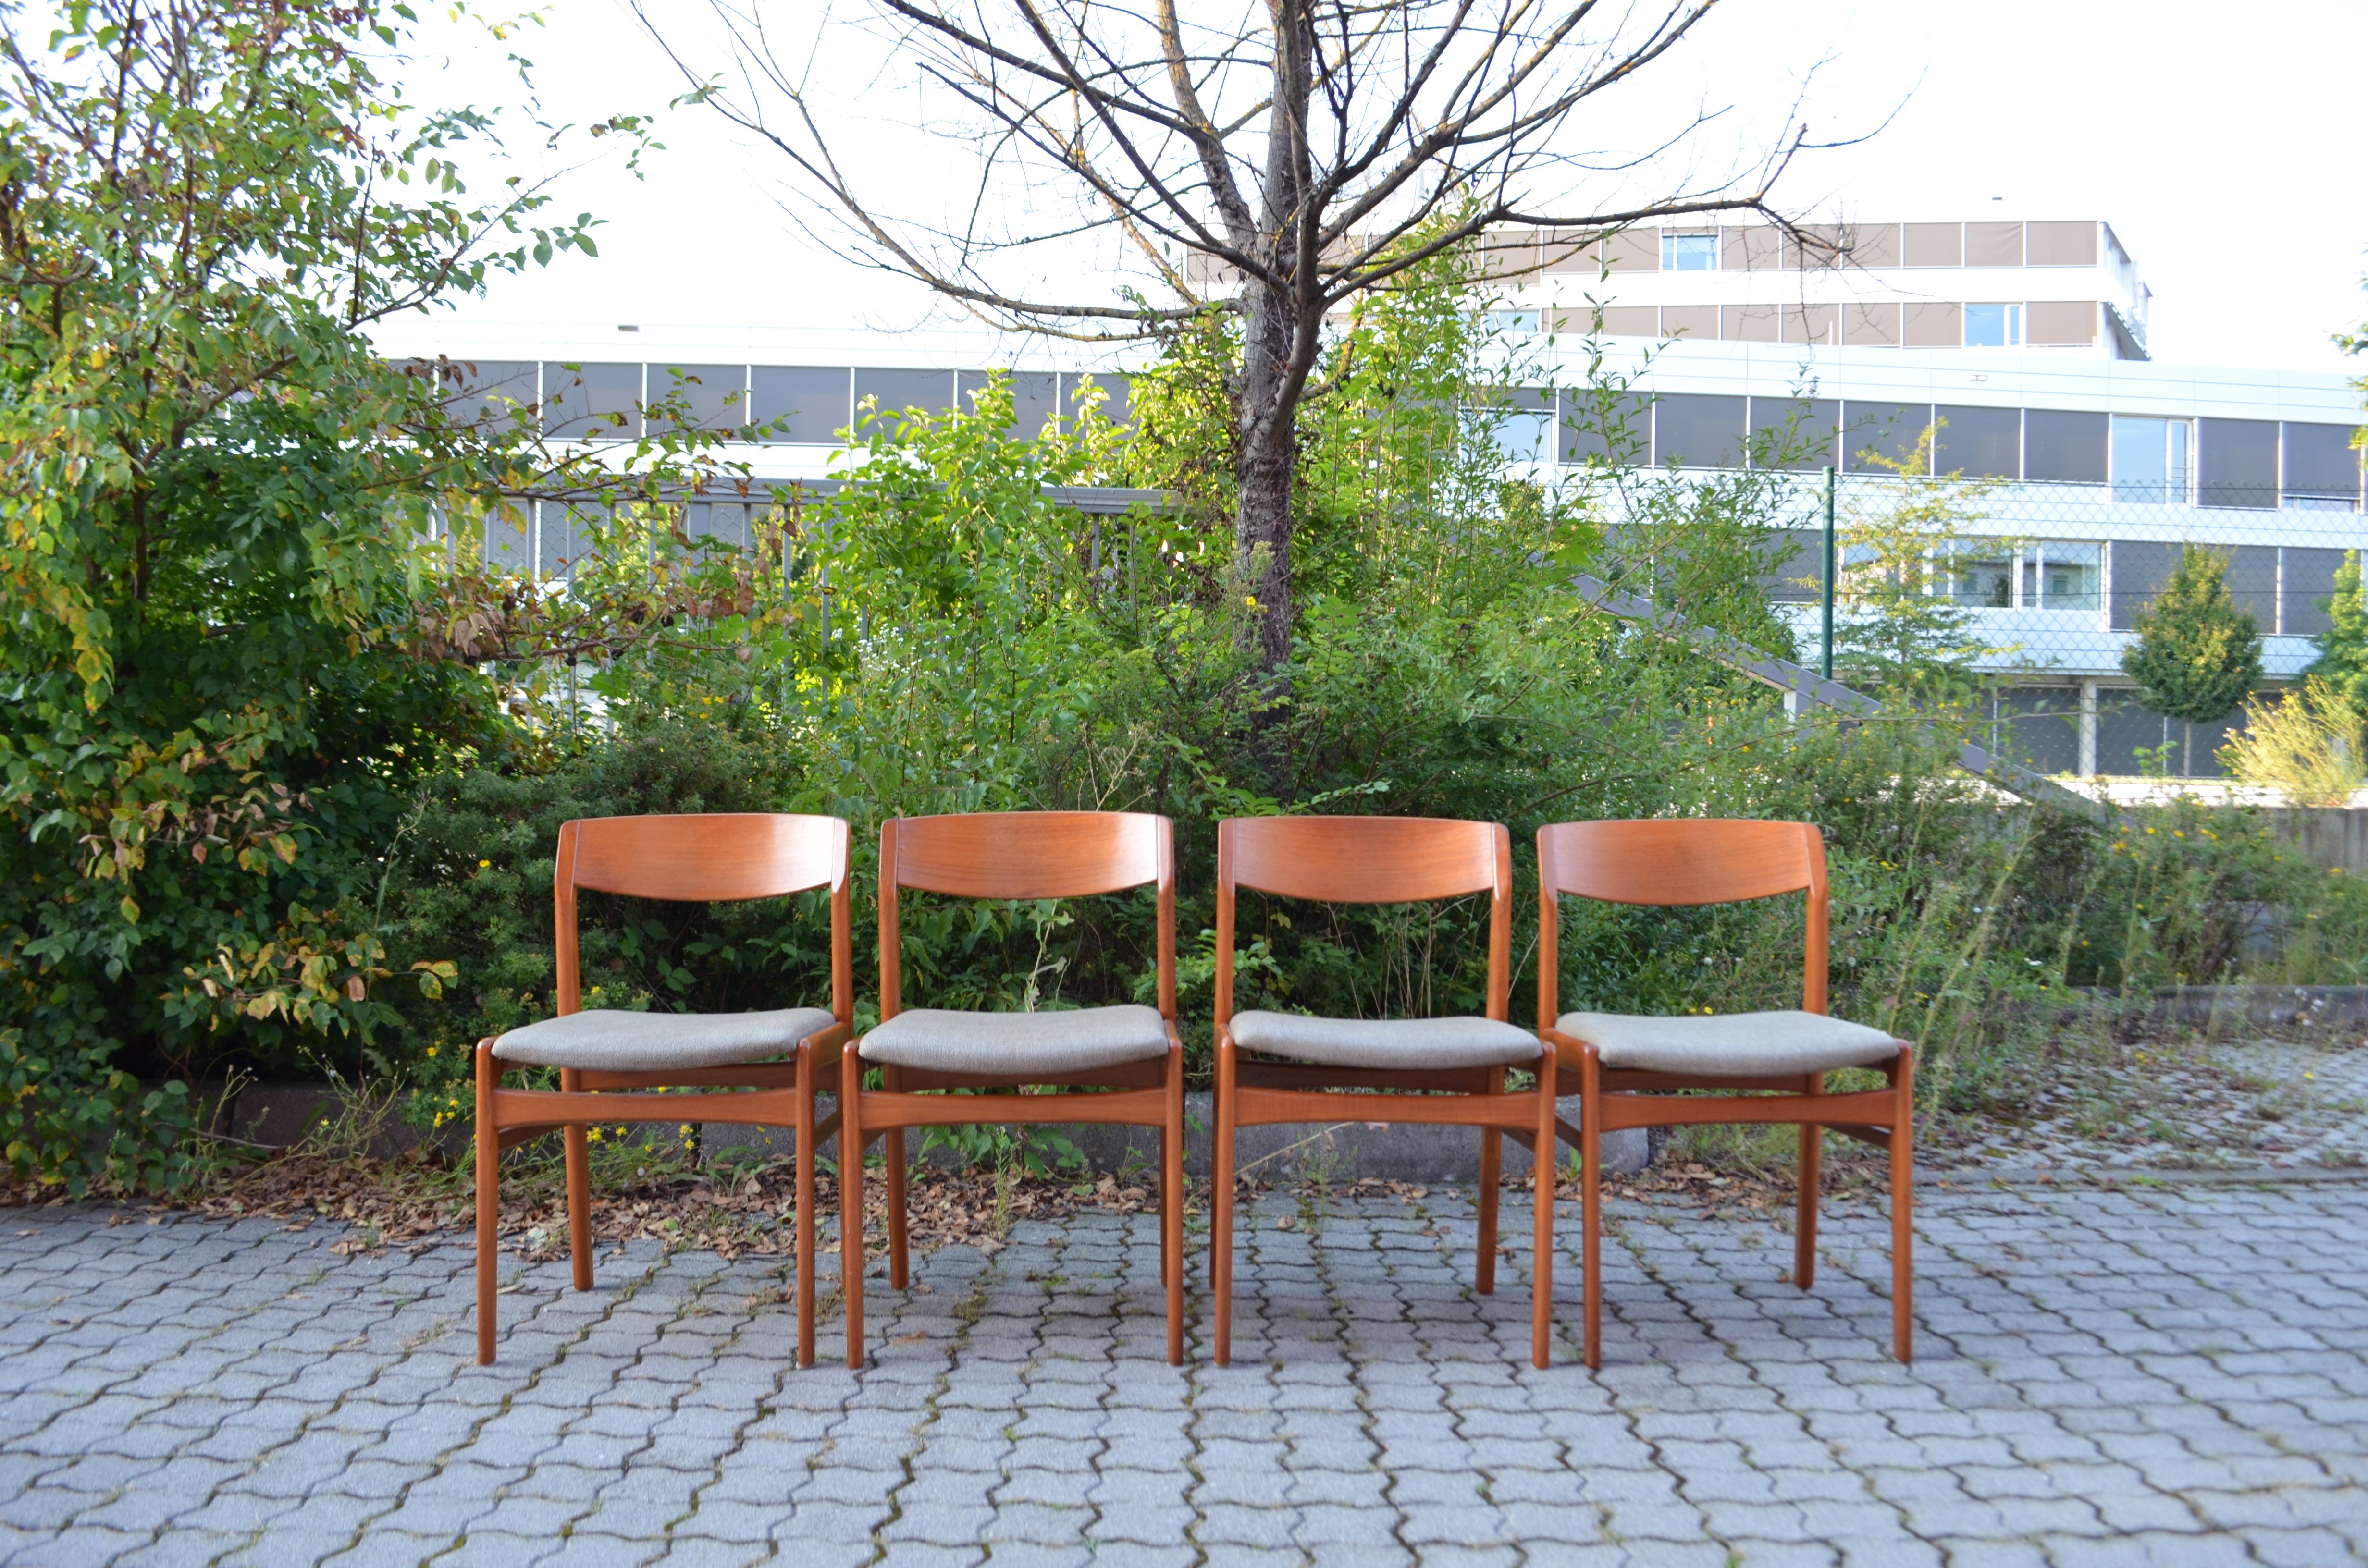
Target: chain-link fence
{"x": 2052, "y": 530}
{"x": 2052, "y": 579}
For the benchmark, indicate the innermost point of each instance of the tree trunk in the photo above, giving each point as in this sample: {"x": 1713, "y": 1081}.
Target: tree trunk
{"x": 2187, "y": 751}
{"x": 1265, "y": 457}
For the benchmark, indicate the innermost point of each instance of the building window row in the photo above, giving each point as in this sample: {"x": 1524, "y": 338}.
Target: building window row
{"x": 1881, "y": 323}
{"x": 2285, "y": 587}
{"x": 2247, "y": 463}
{"x": 796, "y": 404}
{"x": 1763, "y": 247}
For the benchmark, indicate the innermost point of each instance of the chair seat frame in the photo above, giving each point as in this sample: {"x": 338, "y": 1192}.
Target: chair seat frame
{"x": 1378, "y": 860}
{"x": 741, "y": 855}
{"x": 1013, "y": 854}
{"x": 1682, "y": 862}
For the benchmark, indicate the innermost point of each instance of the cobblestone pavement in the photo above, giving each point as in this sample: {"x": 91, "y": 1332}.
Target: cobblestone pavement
{"x": 2173, "y": 1374}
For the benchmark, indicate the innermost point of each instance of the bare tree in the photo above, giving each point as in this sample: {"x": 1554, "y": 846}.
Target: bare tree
{"x": 1305, "y": 151}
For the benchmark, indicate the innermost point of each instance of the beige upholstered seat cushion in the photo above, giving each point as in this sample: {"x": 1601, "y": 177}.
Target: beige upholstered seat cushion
{"x": 1402, "y": 1043}
{"x": 1049, "y": 1045}
{"x": 607, "y": 1040}
{"x": 1734, "y": 1045}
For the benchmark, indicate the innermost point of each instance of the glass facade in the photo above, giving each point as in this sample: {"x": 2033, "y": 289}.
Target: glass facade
{"x": 1993, "y": 326}
{"x": 2150, "y": 459}
{"x": 1688, "y": 253}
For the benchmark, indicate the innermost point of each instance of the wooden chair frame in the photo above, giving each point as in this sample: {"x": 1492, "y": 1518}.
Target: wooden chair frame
{"x": 1014, "y": 855}
{"x": 1378, "y": 860}
{"x": 1685, "y": 861}
{"x": 687, "y": 859}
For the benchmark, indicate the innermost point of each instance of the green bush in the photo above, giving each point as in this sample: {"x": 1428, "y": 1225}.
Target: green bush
{"x": 286, "y": 784}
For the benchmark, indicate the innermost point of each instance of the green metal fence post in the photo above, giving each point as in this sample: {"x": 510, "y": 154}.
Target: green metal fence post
{"x": 1825, "y": 655}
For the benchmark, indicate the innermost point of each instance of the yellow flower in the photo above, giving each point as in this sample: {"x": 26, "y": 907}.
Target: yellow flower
{"x": 483, "y": 864}
{"x": 431, "y": 1051}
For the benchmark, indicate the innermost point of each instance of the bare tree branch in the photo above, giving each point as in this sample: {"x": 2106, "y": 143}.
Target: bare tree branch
{"x": 1309, "y": 150}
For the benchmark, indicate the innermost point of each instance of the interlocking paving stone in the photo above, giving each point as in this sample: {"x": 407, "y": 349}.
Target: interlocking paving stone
{"x": 2170, "y": 1374}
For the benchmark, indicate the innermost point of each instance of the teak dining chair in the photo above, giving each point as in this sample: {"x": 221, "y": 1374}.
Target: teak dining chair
{"x": 1122, "y": 1065}
{"x": 777, "y": 1058}
{"x": 1281, "y": 1067}
{"x": 1637, "y": 1072}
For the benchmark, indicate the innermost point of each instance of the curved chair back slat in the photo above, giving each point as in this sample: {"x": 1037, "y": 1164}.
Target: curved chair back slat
{"x": 1025, "y": 854}
{"x": 1360, "y": 859}
{"x": 1680, "y": 861}
{"x": 698, "y": 859}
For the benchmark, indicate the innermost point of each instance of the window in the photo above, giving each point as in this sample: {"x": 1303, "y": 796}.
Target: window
{"x": 1517, "y": 421}
{"x": 1981, "y": 575}
{"x": 592, "y": 403}
{"x": 1604, "y": 426}
{"x": 1878, "y": 437}
{"x": 2150, "y": 459}
{"x": 1788, "y": 432}
{"x": 1993, "y": 326}
{"x": 2322, "y": 470}
{"x": 2238, "y": 464}
{"x": 1511, "y": 324}
{"x": 1688, "y": 253}
{"x": 1698, "y": 431}
{"x": 798, "y": 402}
{"x": 2057, "y": 575}
{"x": 705, "y": 397}
{"x": 1980, "y": 443}
{"x": 2060, "y": 444}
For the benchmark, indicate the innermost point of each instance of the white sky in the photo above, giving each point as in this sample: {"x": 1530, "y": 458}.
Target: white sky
{"x": 2223, "y": 144}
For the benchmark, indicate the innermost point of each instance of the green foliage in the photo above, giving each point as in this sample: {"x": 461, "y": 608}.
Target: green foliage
{"x": 2196, "y": 656}
{"x": 336, "y": 826}
{"x": 2307, "y": 743}
{"x": 1902, "y": 623}
{"x": 472, "y": 883}
{"x": 985, "y": 650}
{"x": 220, "y": 659}
{"x": 2342, "y": 659}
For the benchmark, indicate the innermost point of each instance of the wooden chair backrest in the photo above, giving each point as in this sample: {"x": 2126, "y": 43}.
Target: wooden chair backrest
{"x": 703, "y": 858}
{"x": 1367, "y": 860}
{"x": 1674, "y": 861}
{"x": 1026, "y": 855}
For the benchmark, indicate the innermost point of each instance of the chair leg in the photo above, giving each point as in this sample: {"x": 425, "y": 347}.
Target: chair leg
{"x": 805, "y": 1240}
{"x": 850, "y": 1201}
{"x": 489, "y": 1154}
{"x": 1902, "y": 1209}
{"x": 1492, "y": 1163}
{"x": 1590, "y": 1204}
{"x": 1541, "y": 1239}
{"x": 899, "y": 1258}
{"x": 579, "y": 1189}
{"x": 1804, "y": 1227}
{"x": 1171, "y": 1205}
{"x": 1221, "y": 1215}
